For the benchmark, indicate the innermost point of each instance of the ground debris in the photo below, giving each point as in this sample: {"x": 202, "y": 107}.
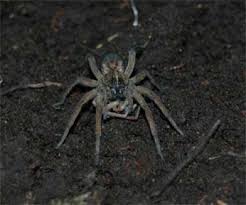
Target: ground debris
{"x": 95, "y": 197}
{"x": 191, "y": 156}
{"x": 31, "y": 85}
{"x": 56, "y": 21}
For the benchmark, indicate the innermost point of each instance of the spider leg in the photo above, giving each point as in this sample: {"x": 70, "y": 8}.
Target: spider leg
{"x": 117, "y": 115}
{"x": 134, "y": 117}
{"x": 143, "y": 75}
{"x": 124, "y": 116}
{"x": 99, "y": 112}
{"x": 87, "y": 97}
{"x": 80, "y": 81}
{"x": 92, "y": 62}
{"x": 151, "y": 95}
{"x": 131, "y": 63}
{"x": 112, "y": 105}
{"x": 139, "y": 98}
{"x": 107, "y": 109}
{"x": 127, "y": 107}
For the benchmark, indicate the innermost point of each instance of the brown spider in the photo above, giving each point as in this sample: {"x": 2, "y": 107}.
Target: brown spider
{"x": 113, "y": 94}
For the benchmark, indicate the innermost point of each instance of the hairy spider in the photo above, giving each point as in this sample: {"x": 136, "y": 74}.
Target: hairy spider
{"x": 113, "y": 95}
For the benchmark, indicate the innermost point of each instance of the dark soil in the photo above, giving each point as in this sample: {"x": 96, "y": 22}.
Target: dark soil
{"x": 49, "y": 41}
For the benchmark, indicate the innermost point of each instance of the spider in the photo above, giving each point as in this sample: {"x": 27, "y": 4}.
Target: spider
{"x": 113, "y": 94}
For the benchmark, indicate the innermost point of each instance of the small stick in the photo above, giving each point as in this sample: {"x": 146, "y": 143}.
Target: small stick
{"x": 192, "y": 155}
{"x": 177, "y": 66}
{"x": 1, "y": 80}
{"x": 89, "y": 49}
{"x": 233, "y": 154}
{"x": 135, "y": 13}
{"x": 32, "y": 85}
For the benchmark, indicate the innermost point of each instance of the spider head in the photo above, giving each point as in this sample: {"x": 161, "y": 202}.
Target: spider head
{"x": 112, "y": 63}
{"x": 117, "y": 90}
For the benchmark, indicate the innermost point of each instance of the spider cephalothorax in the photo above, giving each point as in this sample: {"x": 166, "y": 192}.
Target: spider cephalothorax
{"x": 116, "y": 94}
{"x": 114, "y": 78}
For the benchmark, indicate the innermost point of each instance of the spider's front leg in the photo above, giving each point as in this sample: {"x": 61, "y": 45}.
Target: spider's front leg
{"x": 150, "y": 120}
{"x": 136, "y": 116}
{"x": 157, "y": 100}
{"x": 99, "y": 113}
{"x": 131, "y": 108}
{"x": 86, "y": 98}
{"x": 80, "y": 81}
{"x": 121, "y": 110}
{"x": 107, "y": 109}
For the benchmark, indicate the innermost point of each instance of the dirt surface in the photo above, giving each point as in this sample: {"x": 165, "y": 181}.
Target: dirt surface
{"x": 196, "y": 53}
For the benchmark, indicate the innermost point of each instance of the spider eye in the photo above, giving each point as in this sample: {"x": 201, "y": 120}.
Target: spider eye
{"x": 117, "y": 92}
{"x": 121, "y": 90}
{"x": 113, "y": 90}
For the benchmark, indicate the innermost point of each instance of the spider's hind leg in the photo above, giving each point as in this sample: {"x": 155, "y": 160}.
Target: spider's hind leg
{"x": 99, "y": 114}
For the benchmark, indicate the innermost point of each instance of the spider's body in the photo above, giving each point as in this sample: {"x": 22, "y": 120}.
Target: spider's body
{"x": 115, "y": 80}
{"x": 112, "y": 86}
{"x": 114, "y": 93}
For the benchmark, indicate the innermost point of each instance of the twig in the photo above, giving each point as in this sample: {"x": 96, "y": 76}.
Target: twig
{"x": 112, "y": 37}
{"x": 177, "y": 66}
{"x": 233, "y": 154}
{"x": 90, "y": 49}
{"x": 192, "y": 155}
{"x": 109, "y": 39}
{"x": 135, "y": 13}
{"x": 32, "y": 85}
{"x": 1, "y": 80}
{"x": 229, "y": 153}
